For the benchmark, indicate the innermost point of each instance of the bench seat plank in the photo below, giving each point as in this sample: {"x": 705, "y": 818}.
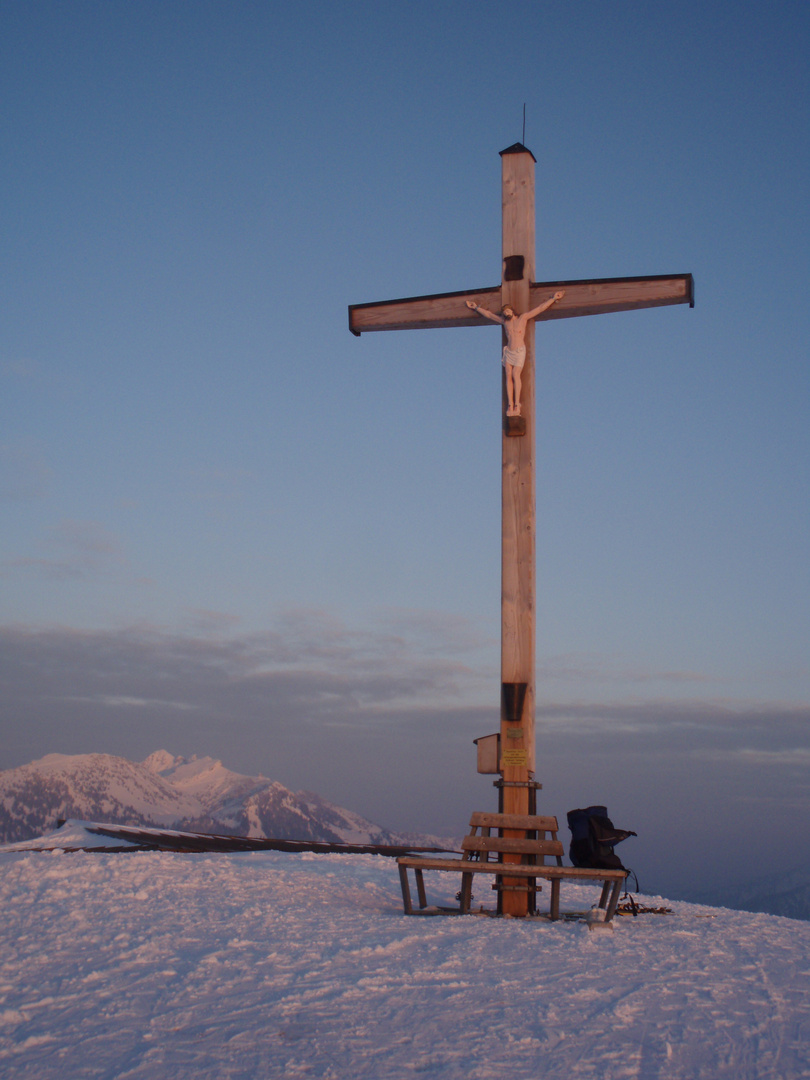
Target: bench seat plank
{"x": 469, "y": 866}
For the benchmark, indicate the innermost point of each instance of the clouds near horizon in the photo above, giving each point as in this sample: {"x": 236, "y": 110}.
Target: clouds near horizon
{"x": 382, "y": 721}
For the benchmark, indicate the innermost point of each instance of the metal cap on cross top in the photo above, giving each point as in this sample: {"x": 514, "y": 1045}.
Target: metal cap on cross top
{"x": 519, "y": 291}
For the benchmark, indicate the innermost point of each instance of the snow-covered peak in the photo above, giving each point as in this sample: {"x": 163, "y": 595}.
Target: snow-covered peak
{"x": 96, "y": 787}
{"x": 161, "y": 761}
{"x": 63, "y": 763}
{"x": 188, "y": 772}
{"x": 209, "y": 781}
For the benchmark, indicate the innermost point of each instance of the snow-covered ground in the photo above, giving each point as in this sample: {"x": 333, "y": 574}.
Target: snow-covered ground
{"x": 147, "y": 966}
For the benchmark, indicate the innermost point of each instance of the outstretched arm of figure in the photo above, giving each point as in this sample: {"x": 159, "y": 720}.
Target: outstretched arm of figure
{"x": 483, "y": 311}
{"x": 544, "y": 306}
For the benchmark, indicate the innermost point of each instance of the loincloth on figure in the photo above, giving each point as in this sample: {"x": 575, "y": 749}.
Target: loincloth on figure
{"x": 514, "y": 357}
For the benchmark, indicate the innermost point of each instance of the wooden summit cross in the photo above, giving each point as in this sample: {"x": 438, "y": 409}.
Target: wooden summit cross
{"x": 519, "y": 290}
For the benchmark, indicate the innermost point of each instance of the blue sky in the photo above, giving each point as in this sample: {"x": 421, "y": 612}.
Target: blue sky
{"x": 232, "y": 528}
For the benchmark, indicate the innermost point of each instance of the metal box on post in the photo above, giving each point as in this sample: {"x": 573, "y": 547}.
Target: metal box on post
{"x": 489, "y": 747}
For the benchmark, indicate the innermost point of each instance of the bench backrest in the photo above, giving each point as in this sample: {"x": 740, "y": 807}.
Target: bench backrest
{"x": 530, "y": 822}
{"x": 533, "y": 849}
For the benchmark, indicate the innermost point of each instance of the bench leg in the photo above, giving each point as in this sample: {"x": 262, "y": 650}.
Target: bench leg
{"x": 466, "y": 893}
{"x": 603, "y": 899}
{"x": 406, "y": 890}
{"x": 420, "y": 888}
{"x": 555, "y": 899}
{"x": 614, "y": 900}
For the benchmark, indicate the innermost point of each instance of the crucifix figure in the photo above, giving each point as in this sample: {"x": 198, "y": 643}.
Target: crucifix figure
{"x": 519, "y": 292}
{"x": 514, "y": 351}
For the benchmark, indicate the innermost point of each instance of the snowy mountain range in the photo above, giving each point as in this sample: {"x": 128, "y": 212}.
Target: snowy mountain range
{"x": 196, "y": 794}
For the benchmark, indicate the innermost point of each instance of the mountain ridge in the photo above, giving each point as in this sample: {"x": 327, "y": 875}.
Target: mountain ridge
{"x": 169, "y": 791}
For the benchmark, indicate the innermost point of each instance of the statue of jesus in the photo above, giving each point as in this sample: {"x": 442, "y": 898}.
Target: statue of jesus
{"x": 514, "y": 351}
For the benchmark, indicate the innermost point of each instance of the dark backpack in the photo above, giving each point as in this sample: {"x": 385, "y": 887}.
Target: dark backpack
{"x": 593, "y": 837}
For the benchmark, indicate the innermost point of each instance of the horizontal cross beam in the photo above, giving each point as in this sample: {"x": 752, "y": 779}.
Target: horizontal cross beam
{"x": 594, "y": 296}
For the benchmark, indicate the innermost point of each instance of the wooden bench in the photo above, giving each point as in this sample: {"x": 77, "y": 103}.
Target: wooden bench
{"x": 516, "y": 862}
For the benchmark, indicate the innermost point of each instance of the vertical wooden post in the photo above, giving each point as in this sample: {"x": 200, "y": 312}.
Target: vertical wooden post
{"x": 518, "y": 517}
{"x": 586, "y": 297}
